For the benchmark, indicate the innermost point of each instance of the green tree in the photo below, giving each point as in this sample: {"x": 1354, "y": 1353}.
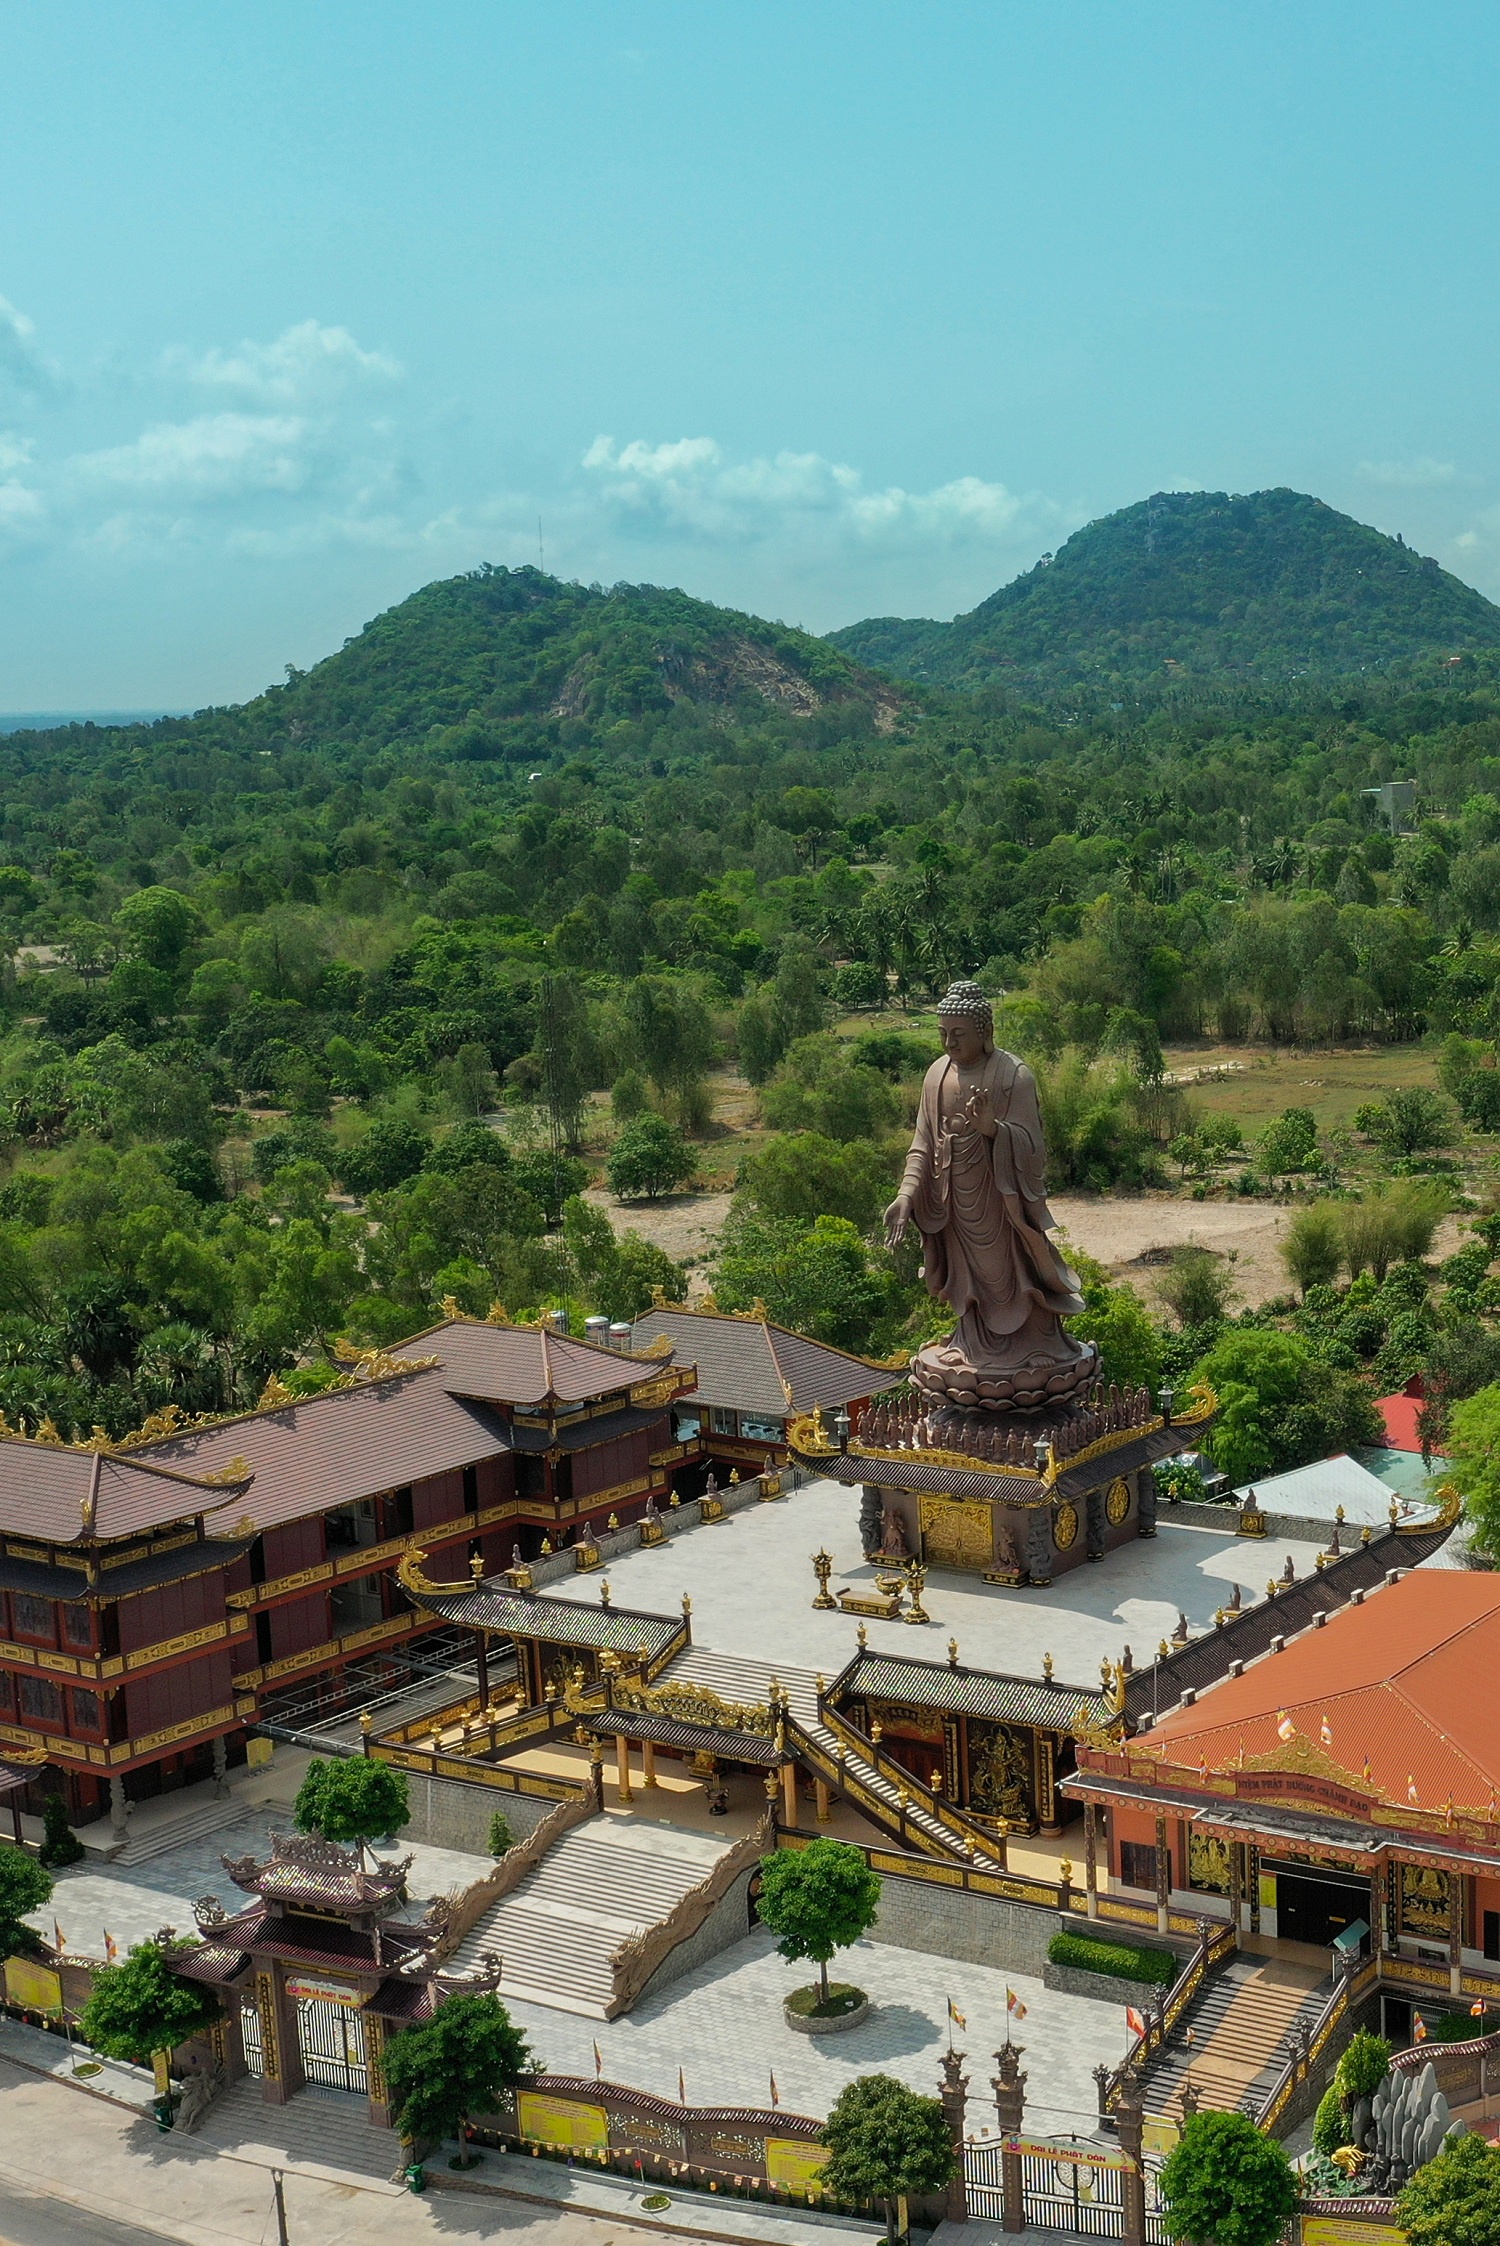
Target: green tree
{"x": 1289, "y": 1144}
{"x": 798, "y": 1006}
{"x": 60, "y": 1844}
{"x": 1224, "y": 2184}
{"x": 819, "y": 1279}
{"x": 1313, "y": 1247}
{"x": 1474, "y": 1464}
{"x": 141, "y": 2007}
{"x": 1410, "y": 1120}
{"x": 758, "y": 1036}
{"x": 819, "y": 1089}
{"x": 817, "y": 1900}
{"x": 159, "y": 925}
{"x": 1196, "y": 1287}
{"x": 805, "y": 1175}
{"x": 886, "y": 2142}
{"x": 649, "y": 1158}
{"x": 391, "y": 1151}
{"x": 1115, "y": 1318}
{"x": 672, "y": 1037}
{"x": 25, "y": 1885}
{"x": 453, "y": 2067}
{"x": 1455, "y": 2199}
{"x": 351, "y": 1799}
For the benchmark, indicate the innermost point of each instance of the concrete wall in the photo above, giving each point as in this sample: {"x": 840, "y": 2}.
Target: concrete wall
{"x": 950, "y": 1922}
{"x": 727, "y": 1923}
{"x": 445, "y": 1813}
{"x": 674, "y": 1519}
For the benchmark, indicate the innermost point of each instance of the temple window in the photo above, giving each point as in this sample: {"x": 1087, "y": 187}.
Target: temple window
{"x": 352, "y": 1526}
{"x": 88, "y": 1712}
{"x": 77, "y": 1625}
{"x": 41, "y": 1702}
{"x": 723, "y": 1421}
{"x": 1138, "y": 1864}
{"x": 33, "y": 1618}
{"x": 763, "y": 1430}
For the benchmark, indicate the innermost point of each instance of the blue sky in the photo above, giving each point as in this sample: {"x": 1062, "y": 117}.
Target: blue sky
{"x": 823, "y": 310}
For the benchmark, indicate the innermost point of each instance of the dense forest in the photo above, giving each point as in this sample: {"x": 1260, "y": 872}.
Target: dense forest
{"x": 561, "y": 856}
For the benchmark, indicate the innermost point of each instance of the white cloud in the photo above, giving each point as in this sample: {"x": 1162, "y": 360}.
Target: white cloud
{"x": 218, "y": 455}
{"x": 1408, "y": 475}
{"x": 23, "y": 369}
{"x": 15, "y": 451}
{"x": 688, "y": 488}
{"x": 305, "y": 363}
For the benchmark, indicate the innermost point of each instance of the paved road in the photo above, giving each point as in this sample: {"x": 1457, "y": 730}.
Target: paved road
{"x": 27, "y": 2220}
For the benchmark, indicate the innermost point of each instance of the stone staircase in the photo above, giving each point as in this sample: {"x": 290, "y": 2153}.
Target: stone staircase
{"x": 736, "y": 1679}
{"x": 325, "y": 2133}
{"x": 1235, "y": 2036}
{"x": 204, "y": 1816}
{"x": 608, "y": 1879}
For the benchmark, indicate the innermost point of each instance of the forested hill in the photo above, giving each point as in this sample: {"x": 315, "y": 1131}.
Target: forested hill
{"x": 1272, "y": 585}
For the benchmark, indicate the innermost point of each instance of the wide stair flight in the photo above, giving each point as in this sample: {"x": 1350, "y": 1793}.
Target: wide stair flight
{"x": 1235, "y": 2036}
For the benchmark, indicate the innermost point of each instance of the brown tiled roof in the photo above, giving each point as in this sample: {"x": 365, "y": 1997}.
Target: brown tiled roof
{"x": 526, "y": 1365}
{"x": 749, "y": 1365}
{"x": 50, "y": 1490}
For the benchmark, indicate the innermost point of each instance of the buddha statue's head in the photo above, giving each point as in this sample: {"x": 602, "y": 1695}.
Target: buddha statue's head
{"x": 966, "y": 1024}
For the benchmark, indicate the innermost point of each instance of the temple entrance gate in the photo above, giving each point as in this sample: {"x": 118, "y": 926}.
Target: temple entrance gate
{"x": 1065, "y": 2186}
{"x": 331, "y": 2040}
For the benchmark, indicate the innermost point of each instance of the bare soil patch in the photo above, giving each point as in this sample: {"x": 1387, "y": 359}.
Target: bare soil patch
{"x": 684, "y": 1226}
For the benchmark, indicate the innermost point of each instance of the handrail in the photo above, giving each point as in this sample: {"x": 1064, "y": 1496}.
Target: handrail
{"x": 1216, "y": 1940}
{"x": 942, "y": 1811}
{"x": 639, "y": 1955}
{"x": 463, "y": 1913}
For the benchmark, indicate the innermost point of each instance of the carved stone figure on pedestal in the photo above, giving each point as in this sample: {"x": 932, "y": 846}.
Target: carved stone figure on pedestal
{"x": 973, "y": 1187}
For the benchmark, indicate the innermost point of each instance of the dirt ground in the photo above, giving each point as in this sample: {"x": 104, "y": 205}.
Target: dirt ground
{"x": 684, "y": 1225}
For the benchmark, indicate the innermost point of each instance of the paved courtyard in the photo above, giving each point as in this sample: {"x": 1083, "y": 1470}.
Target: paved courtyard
{"x": 135, "y": 1902}
{"x": 751, "y": 1584}
{"x": 723, "y": 2026}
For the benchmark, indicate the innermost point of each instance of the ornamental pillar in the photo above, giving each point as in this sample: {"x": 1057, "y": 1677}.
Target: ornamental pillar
{"x": 221, "y": 1765}
{"x": 825, "y": 1800}
{"x": 789, "y": 1792}
{"x": 1456, "y": 1885}
{"x": 1091, "y": 1858}
{"x": 1129, "y": 2121}
{"x": 1009, "y": 2086}
{"x": 1163, "y": 1879}
{"x": 953, "y": 2096}
{"x": 648, "y": 1762}
{"x": 622, "y": 1767}
{"x": 119, "y": 1809}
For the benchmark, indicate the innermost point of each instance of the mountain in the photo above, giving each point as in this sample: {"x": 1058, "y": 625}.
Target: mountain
{"x": 496, "y": 645}
{"x": 1272, "y": 584}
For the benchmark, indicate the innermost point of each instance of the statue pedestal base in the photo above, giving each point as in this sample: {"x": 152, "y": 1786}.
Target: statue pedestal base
{"x": 945, "y": 1376}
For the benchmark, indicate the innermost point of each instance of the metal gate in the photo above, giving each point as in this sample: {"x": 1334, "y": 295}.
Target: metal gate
{"x": 250, "y": 2036}
{"x": 1059, "y": 2192}
{"x": 331, "y": 2039}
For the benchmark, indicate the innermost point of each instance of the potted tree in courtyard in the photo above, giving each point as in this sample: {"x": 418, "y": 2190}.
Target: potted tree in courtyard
{"x": 1224, "y": 2184}
{"x": 817, "y": 1900}
{"x": 452, "y": 2067}
{"x": 353, "y": 1799}
{"x": 888, "y": 2143}
{"x": 141, "y": 2010}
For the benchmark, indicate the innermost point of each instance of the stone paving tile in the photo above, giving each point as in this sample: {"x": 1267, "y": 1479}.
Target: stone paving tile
{"x": 752, "y": 1590}
{"x": 723, "y": 2026}
{"x": 135, "y": 1901}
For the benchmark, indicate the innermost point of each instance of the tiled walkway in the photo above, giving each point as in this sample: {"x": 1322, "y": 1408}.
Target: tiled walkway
{"x": 723, "y": 2026}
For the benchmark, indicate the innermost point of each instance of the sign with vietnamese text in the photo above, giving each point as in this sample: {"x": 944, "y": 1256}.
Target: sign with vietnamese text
{"x": 790, "y": 2160}
{"x": 35, "y": 1988}
{"x": 310, "y": 1991}
{"x": 558, "y": 2121}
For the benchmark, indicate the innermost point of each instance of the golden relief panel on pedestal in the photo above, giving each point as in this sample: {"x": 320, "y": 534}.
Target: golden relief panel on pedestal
{"x": 1117, "y": 1504}
{"x": 1065, "y": 1527}
{"x": 955, "y": 1535}
{"x": 1426, "y": 1900}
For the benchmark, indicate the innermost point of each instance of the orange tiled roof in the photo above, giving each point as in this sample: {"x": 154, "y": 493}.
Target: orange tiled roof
{"x": 1403, "y": 1683}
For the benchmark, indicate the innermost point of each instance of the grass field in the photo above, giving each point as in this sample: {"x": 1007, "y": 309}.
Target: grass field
{"x": 1259, "y": 1083}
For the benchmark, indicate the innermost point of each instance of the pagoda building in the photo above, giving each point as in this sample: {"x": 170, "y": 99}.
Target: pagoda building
{"x": 1339, "y": 1790}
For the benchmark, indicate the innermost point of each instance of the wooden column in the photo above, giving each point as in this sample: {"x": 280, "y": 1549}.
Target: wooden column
{"x": 825, "y": 1801}
{"x": 648, "y": 1762}
{"x": 1456, "y": 1899}
{"x": 1252, "y": 1859}
{"x": 1091, "y": 1857}
{"x": 622, "y": 1767}
{"x": 482, "y": 1665}
{"x": 1163, "y": 1878}
{"x": 1236, "y": 1884}
{"x": 789, "y": 1792}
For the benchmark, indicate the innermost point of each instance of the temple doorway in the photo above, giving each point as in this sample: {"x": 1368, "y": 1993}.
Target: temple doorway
{"x": 1316, "y": 1907}
{"x": 331, "y": 2039}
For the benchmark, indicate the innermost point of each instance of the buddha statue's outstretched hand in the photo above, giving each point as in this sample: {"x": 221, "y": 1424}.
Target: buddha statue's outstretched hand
{"x": 897, "y": 1218}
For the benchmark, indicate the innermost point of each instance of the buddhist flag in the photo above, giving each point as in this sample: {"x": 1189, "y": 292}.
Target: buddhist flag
{"x": 111, "y": 1948}
{"x": 1478, "y": 2008}
{"x": 1013, "y": 2005}
{"x": 59, "y": 1942}
{"x": 1419, "y": 2032}
{"x": 1411, "y": 1788}
{"x": 956, "y": 2016}
{"x": 1285, "y": 1728}
{"x": 775, "y": 2093}
{"x": 1134, "y": 2020}
{"x": 598, "y": 2062}
{"x": 1326, "y": 1734}
{"x": 681, "y": 2088}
